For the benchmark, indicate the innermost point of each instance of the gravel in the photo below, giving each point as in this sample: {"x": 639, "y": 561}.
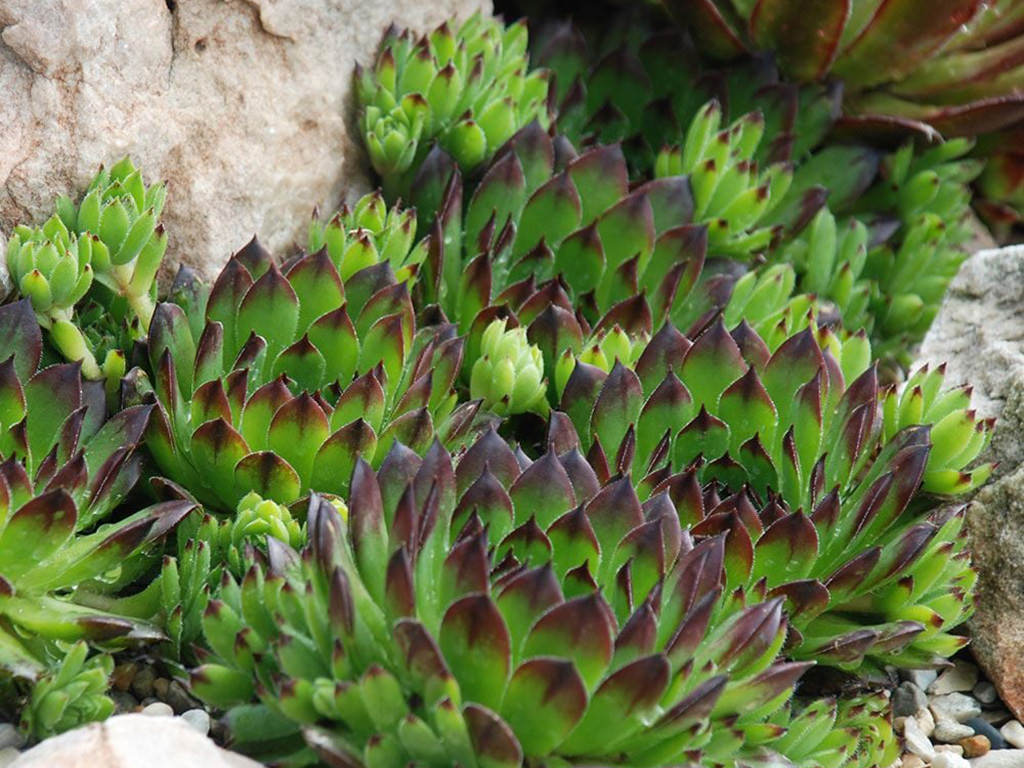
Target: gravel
{"x": 158, "y": 709}
{"x": 198, "y": 719}
{"x": 908, "y": 699}
{"x": 961, "y": 677}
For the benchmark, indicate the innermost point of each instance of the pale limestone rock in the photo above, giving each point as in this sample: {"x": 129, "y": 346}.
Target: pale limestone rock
{"x": 244, "y": 107}
{"x": 979, "y": 334}
{"x": 129, "y": 741}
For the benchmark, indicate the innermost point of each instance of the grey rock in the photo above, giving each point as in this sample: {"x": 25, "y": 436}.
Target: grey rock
{"x": 8, "y": 755}
{"x": 979, "y": 334}
{"x": 985, "y": 693}
{"x": 922, "y": 678}
{"x": 179, "y": 698}
{"x": 129, "y": 741}
{"x": 949, "y": 760}
{"x": 11, "y": 736}
{"x": 954, "y": 706}
{"x": 123, "y": 702}
{"x": 244, "y": 108}
{"x": 908, "y": 699}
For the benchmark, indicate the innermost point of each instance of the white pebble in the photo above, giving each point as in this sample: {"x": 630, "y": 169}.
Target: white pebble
{"x": 1000, "y": 758}
{"x": 913, "y": 761}
{"x": 926, "y": 721}
{"x": 952, "y": 749}
{"x": 985, "y": 692}
{"x": 917, "y": 742}
{"x": 158, "y": 709}
{"x": 1013, "y": 732}
{"x": 10, "y": 736}
{"x": 954, "y": 706}
{"x": 949, "y": 760}
{"x": 8, "y": 755}
{"x": 962, "y": 676}
{"x": 197, "y": 719}
{"x": 951, "y": 731}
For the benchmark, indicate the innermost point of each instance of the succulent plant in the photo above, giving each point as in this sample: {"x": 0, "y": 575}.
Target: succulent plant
{"x": 958, "y": 70}
{"x": 509, "y": 374}
{"x": 121, "y": 215}
{"x": 294, "y": 375}
{"x": 468, "y": 90}
{"x": 368, "y": 234}
{"x": 90, "y": 270}
{"x": 830, "y": 472}
{"x": 65, "y": 468}
{"x": 72, "y": 694}
{"x": 206, "y": 549}
{"x": 487, "y": 614}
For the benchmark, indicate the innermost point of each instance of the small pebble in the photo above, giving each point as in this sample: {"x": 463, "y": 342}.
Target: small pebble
{"x": 950, "y": 731}
{"x": 10, "y": 737}
{"x": 1001, "y": 758}
{"x": 954, "y": 706}
{"x": 926, "y": 721}
{"x": 897, "y": 724}
{"x": 949, "y": 760}
{"x": 985, "y": 692}
{"x": 8, "y": 755}
{"x": 124, "y": 702}
{"x": 916, "y": 741}
{"x": 160, "y": 686}
{"x": 908, "y": 699}
{"x": 198, "y": 719}
{"x": 952, "y": 749}
{"x": 123, "y": 675}
{"x": 975, "y": 746}
{"x": 179, "y": 698}
{"x": 158, "y": 709}
{"x": 922, "y": 678}
{"x": 142, "y": 684}
{"x": 982, "y": 727}
{"x": 1013, "y": 732}
{"x": 962, "y": 676}
{"x": 913, "y": 761}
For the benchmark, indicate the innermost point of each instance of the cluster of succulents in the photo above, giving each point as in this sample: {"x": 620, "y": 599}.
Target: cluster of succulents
{"x": 585, "y": 453}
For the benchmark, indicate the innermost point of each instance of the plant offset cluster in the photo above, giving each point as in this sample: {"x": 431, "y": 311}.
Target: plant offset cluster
{"x": 586, "y": 459}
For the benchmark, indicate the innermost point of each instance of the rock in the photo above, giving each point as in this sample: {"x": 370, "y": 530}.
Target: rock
{"x": 922, "y": 678}
{"x": 244, "y": 108}
{"x": 997, "y": 716}
{"x": 950, "y": 731}
{"x": 908, "y": 699}
{"x": 916, "y": 741}
{"x": 985, "y": 693}
{"x": 913, "y": 761}
{"x": 128, "y": 741}
{"x": 158, "y": 709}
{"x": 123, "y": 675}
{"x": 8, "y": 755}
{"x": 124, "y": 702}
{"x": 142, "y": 683}
{"x": 983, "y": 728}
{"x": 179, "y": 698}
{"x": 954, "y": 706}
{"x": 11, "y": 736}
{"x": 995, "y": 526}
{"x": 1013, "y": 732}
{"x": 962, "y": 676}
{"x": 975, "y": 746}
{"x": 1003, "y": 758}
{"x": 926, "y": 721}
{"x": 951, "y": 749}
{"x": 198, "y": 719}
{"x": 949, "y": 760}
{"x": 979, "y": 334}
